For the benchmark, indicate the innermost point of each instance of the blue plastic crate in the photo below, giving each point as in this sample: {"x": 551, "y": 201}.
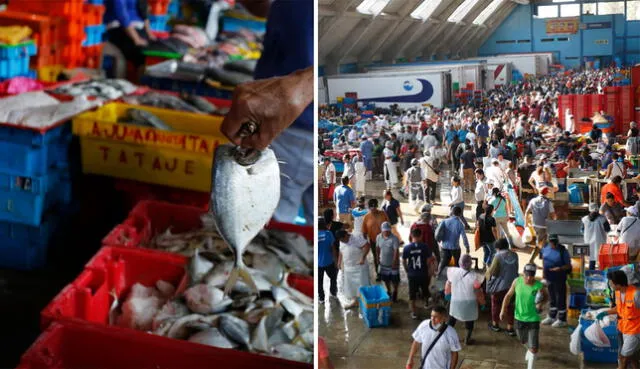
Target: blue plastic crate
{"x": 378, "y": 312}
{"x": 599, "y": 354}
{"x": 41, "y": 234}
{"x": 16, "y": 254}
{"x": 32, "y": 153}
{"x": 95, "y": 2}
{"x": 199, "y": 89}
{"x": 231, "y": 24}
{"x": 15, "y": 67}
{"x": 577, "y": 300}
{"x": 18, "y": 51}
{"x": 174, "y": 9}
{"x": 27, "y": 208}
{"x": 159, "y": 22}
{"x": 93, "y": 35}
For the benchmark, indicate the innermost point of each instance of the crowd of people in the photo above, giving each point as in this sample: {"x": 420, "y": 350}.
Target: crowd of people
{"x": 505, "y": 153}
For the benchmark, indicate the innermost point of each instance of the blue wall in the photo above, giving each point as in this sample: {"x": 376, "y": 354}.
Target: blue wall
{"x": 521, "y": 33}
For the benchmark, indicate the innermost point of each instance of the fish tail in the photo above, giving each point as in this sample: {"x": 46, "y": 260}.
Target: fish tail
{"x": 248, "y": 279}
{"x": 231, "y": 282}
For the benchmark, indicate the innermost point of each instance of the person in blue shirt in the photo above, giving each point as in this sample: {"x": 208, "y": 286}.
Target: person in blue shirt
{"x": 366, "y": 148}
{"x": 483, "y": 130}
{"x": 416, "y": 257}
{"x": 462, "y": 134}
{"x": 128, "y": 28}
{"x": 345, "y": 200}
{"x": 556, "y": 263}
{"x": 450, "y": 134}
{"x": 280, "y": 102}
{"x": 327, "y": 258}
{"x": 449, "y": 233}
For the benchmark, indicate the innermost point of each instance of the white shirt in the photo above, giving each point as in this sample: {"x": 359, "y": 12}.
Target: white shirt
{"x": 456, "y": 195}
{"x": 387, "y": 153}
{"x": 352, "y": 250}
{"x": 464, "y": 305}
{"x": 632, "y": 234}
{"x": 353, "y": 135}
{"x": 330, "y": 174}
{"x": 427, "y": 163}
{"x": 496, "y": 174}
{"x": 440, "y": 355}
{"x": 471, "y": 137}
{"x": 481, "y": 189}
{"x": 428, "y": 142}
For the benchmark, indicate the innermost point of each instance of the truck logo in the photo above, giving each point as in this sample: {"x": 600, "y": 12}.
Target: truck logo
{"x": 422, "y": 96}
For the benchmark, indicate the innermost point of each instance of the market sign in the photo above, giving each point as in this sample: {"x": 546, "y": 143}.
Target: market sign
{"x": 563, "y": 26}
{"x": 596, "y": 25}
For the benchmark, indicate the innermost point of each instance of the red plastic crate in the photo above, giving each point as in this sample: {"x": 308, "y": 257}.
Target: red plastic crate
{"x": 597, "y": 103}
{"x": 93, "y": 56}
{"x": 566, "y": 102}
{"x": 149, "y": 218}
{"x": 92, "y": 14}
{"x": 583, "y": 110}
{"x": 76, "y": 346}
{"x": 611, "y": 255}
{"x": 48, "y": 55}
{"x": 70, "y": 9}
{"x": 46, "y": 30}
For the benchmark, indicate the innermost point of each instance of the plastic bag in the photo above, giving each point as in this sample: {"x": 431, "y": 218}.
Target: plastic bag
{"x": 595, "y": 334}
{"x": 574, "y": 344}
{"x": 514, "y": 236}
{"x": 527, "y": 235}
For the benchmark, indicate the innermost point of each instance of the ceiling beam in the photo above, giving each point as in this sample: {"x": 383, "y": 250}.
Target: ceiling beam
{"x": 354, "y": 37}
{"x": 340, "y": 8}
{"x": 467, "y": 23}
{"x": 444, "y": 15}
{"x": 414, "y": 32}
{"x": 494, "y": 23}
{"x": 367, "y": 55}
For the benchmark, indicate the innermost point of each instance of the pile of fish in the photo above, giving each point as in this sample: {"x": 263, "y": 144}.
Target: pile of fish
{"x": 108, "y": 89}
{"x": 272, "y": 251}
{"x": 277, "y": 321}
{"x": 144, "y": 118}
{"x": 186, "y": 102}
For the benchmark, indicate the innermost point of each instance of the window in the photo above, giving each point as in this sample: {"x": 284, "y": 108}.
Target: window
{"x": 616, "y": 7}
{"x": 506, "y": 42}
{"x": 633, "y": 10}
{"x": 589, "y": 9}
{"x": 562, "y": 39}
{"x": 548, "y": 11}
{"x": 547, "y": 39}
{"x": 372, "y": 7}
{"x": 570, "y": 10}
{"x": 462, "y": 11}
{"x": 426, "y": 9}
{"x": 488, "y": 11}
{"x": 524, "y": 41}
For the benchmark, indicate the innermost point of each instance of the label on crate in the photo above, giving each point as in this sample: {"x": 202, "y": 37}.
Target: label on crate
{"x": 191, "y": 142}
{"x": 147, "y": 164}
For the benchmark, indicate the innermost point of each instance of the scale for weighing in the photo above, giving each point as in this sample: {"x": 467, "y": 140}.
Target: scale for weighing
{"x": 581, "y": 250}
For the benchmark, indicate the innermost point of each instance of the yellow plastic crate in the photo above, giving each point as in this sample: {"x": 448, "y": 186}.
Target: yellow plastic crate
{"x": 50, "y": 73}
{"x": 181, "y": 158}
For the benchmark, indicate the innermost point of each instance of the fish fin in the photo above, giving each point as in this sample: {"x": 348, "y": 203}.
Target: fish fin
{"x": 248, "y": 279}
{"x": 231, "y": 282}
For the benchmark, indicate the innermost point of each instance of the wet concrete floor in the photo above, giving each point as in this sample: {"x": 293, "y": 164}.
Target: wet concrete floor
{"x": 352, "y": 345}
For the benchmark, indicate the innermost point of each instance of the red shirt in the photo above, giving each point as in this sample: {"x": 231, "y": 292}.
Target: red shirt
{"x": 427, "y": 234}
{"x": 614, "y": 189}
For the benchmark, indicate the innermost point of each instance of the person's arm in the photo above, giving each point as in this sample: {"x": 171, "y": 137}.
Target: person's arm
{"x": 340, "y": 260}
{"x": 532, "y": 182}
{"x": 365, "y": 252}
{"x": 273, "y": 104}
{"x": 494, "y": 269}
{"x": 396, "y": 258}
{"x": 412, "y": 352}
{"x": 259, "y": 8}
{"x": 496, "y": 234}
{"x": 507, "y": 299}
{"x": 148, "y": 30}
{"x": 464, "y": 239}
{"x": 545, "y": 298}
{"x": 608, "y": 174}
{"x": 399, "y": 212}
{"x": 454, "y": 359}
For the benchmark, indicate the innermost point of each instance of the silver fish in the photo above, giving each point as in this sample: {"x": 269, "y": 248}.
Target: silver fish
{"x": 294, "y": 242}
{"x": 206, "y": 299}
{"x": 236, "y": 329}
{"x": 198, "y": 267}
{"x": 270, "y": 266}
{"x": 113, "y": 310}
{"x": 213, "y": 337}
{"x": 172, "y": 310}
{"x": 200, "y": 103}
{"x": 278, "y": 337}
{"x": 292, "y": 352}
{"x": 254, "y": 188}
{"x": 268, "y": 324}
{"x": 145, "y": 117}
{"x": 180, "y": 328}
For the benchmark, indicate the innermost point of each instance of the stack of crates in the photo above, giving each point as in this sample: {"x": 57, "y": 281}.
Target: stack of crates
{"x": 94, "y": 29}
{"x": 46, "y": 32}
{"x": 14, "y": 60}
{"x": 174, "y": 10}
{"x": 35, "y": 186}
{"x": 159, "y": 15}
{"x": 75, "y": 15}
{"x": 375, "y": 306}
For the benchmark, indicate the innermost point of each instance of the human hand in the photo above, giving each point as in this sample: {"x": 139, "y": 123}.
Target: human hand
{"x": 409, "y": 364}
{"x": 361, "y": 262}
{"x": 272, "y": 104}
{"x": 152, "y": 37}
{"x": 502, "y": 315}
{"x": 139, "y": 41}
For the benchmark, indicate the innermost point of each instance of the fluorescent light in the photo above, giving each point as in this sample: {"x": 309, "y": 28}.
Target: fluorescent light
{"x": 486, "y": 13}
{"x": 425, "y": 9}
{"x": 563, "y": 1}
{"x": 372, "y": 7}
{"x": 462, "y": 11}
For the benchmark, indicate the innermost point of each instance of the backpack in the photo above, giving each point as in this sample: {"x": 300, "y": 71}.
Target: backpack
{"x": 440, "y": 232}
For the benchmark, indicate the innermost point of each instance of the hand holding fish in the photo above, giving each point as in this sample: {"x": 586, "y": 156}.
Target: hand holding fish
{"x": 273, "y": 104}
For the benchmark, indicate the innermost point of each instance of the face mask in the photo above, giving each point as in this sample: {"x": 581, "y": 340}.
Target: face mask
{"x": 435, "y": 326}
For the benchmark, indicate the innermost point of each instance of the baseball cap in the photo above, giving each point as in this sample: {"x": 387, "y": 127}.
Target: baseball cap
{"x": 386, "y": 227}
{"x": 426, "y": 208}
{"x": 544, "y": 190}
{"x": 633, "y": 210}
{"x": 554, "y": 238}
{"x": 414, "y": 162}
{"x": 530, "y": 270}
{"x": 593, "y": 207}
